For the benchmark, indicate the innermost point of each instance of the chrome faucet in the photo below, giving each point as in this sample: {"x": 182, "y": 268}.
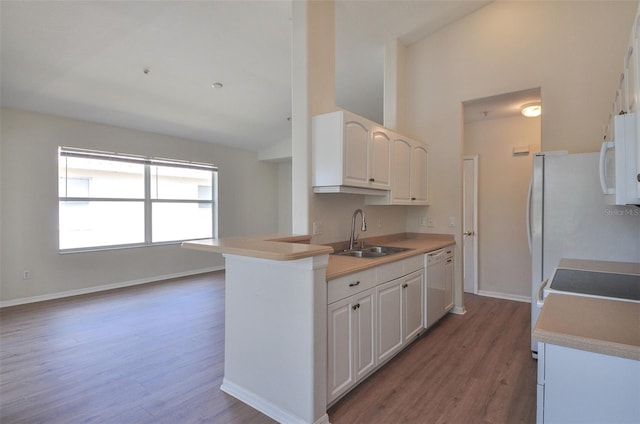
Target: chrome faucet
{"x": 352, "y": 240}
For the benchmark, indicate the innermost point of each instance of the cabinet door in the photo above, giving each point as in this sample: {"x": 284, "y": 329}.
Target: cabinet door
{"x": 356, "y": 145}
{"x": 448, "y": 284}
{"x": 389, "y": 319}
{"x": 419, "y": 175}
{"x": 588, "y": 387}
{"x": 340, "y": 369}
{"x": 364, "y": 336}
{"x": 380, "y": 160}
{"x": 412, "y": 293}
{"x": 401, "y": 172}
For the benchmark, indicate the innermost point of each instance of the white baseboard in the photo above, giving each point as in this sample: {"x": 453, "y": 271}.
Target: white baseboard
{"x": 505, "y": 296}
{"x": 266, "y": 407}
{"x": 104, "y": 287}
{"x": 459, "y": 310}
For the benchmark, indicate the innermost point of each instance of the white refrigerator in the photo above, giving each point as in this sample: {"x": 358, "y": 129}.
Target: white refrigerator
{"x": 568, "y": 218}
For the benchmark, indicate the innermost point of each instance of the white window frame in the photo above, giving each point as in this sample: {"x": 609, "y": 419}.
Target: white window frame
{"x": 148, "y": 201}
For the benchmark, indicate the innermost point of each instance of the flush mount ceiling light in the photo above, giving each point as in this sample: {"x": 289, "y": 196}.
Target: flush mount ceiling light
{"x": 531, "y": 110}
{"x": 216, "y": 85}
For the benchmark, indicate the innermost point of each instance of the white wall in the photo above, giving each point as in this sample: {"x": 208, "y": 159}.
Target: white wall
{"x": 503, "y": 181}
{"x": 334, "y": 212}
{"x": 285, "y": 206}
{"x": 573, "y": 51}
{"x": 248, "y": 196}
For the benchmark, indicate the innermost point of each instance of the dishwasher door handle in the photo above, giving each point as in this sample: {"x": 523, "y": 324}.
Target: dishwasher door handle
{"x": 436, "y": 255}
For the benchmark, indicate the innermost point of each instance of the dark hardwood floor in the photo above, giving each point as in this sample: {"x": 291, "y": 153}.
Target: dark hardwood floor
{"x": 154, "y": 354}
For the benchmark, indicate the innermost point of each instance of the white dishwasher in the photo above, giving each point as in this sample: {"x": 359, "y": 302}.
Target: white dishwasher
{"x": 439, "y": 292}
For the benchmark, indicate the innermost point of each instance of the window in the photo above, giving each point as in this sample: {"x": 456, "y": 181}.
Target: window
{"x": 109, "y": 200}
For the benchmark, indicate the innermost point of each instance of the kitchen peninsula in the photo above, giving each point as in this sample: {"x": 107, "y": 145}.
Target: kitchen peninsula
{"x": 276, "y": 316}
{"x": 589, "y": 351}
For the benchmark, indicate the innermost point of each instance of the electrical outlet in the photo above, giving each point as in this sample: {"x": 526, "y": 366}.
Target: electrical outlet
{"x": 26, "y": 275}
{"x": 318, "y": 228}
{"x": 430, "y": 223}
{"x": 423, "y": 221}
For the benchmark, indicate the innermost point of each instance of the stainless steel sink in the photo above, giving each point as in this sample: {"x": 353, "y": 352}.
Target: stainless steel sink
{"x": 372, "y": 251}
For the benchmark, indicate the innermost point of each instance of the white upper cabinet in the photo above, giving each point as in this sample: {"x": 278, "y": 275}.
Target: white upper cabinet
{"x": 419, "y": 177}
{"x": 380, "y": 159}
{"x": 349, "y": 151}
{"x": 401, "y": 171}
{"x": 356, "y": 145}
{"x": 625, "y": 101}
{"x": 409, "y": 174}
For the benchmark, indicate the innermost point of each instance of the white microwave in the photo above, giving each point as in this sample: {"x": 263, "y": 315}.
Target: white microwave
{"x": 618, "y": 162}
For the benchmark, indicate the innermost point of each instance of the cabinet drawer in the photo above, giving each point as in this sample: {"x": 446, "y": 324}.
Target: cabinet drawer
{"x": 393, "y": 270}
{"x": 350, "y": 284}
{"x": 414, "y": 263}
{"x": 390, "y": 271}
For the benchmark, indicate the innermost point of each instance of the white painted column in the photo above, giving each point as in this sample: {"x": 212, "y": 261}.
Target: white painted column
{"x": 313, "y": 92}
{"x": 276, "y": 336}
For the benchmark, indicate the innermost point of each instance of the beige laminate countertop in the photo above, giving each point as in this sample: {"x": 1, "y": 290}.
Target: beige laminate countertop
{"x": 610, "y": 327}
{"x": 286, "y": 248}
{"x": 277, "y": 248}
{"x": 607, "y": 326}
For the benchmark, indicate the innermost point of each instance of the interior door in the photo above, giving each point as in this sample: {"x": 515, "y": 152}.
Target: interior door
{"x": 470, "y": 225}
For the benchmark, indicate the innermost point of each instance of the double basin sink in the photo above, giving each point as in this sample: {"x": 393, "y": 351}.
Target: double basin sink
{"x": 372, "y": 251}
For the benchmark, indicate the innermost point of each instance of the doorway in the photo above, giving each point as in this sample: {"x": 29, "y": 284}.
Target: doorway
{"x": 504, "y": 141}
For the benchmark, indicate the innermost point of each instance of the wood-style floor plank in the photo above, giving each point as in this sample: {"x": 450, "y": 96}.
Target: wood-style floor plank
{"x": 155, "y": 354}
{"x": 475, "y": 368}
{"x": 145, "y": 354}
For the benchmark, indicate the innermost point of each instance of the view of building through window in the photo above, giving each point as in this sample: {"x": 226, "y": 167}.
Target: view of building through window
{"x": 108, "y": 200}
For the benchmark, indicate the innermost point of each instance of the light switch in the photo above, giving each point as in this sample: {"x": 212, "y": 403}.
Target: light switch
{"x": 452, "y": 221}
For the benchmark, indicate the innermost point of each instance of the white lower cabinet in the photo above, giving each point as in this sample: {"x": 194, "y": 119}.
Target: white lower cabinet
{"x": 351, "y": 341}
{"x": 412, "y": 305}
{"x": 367, "y": 328}
{"x": 577, "y": 386}
{"x": 400, "y": 313}
{"x": 389, "y": 319}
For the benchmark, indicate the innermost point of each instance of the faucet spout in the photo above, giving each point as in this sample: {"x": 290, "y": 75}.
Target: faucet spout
{"x": 352, "y": 239}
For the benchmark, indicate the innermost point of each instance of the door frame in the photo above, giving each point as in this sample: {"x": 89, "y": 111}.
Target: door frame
{"x": 473, "y": 158}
